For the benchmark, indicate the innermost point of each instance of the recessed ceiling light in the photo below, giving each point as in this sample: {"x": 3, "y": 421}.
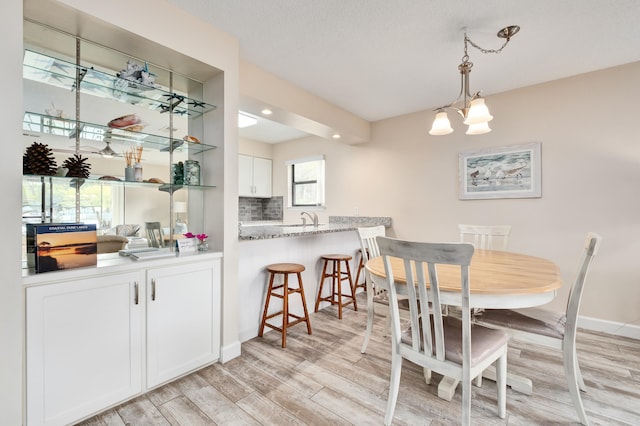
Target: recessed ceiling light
{"x": 266, "y": 111}
{"x": 246, "y": 120}
{"x": 336, "y": 136}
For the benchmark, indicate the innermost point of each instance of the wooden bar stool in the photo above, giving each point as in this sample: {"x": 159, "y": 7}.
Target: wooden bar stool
{"x": 285, "y": 269}
{"x": 337, "y": 275}
{"x": 361, "y": 263}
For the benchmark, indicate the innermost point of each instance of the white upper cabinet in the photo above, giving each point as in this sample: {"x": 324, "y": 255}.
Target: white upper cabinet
{"x": 254, "y": 176}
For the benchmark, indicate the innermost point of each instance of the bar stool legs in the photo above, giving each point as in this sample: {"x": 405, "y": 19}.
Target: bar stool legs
{"x": 337, "y": 275}
{"x": 274, "y": 290}
{"x": 361, "y": 262}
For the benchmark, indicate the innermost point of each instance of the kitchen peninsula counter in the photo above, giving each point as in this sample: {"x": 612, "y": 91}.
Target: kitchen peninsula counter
{"x": 266, "y": 230}
{"x": 264, "y": 243}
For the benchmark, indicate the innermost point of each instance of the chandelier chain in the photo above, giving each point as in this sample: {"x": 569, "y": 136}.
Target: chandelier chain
{"x": 482, "y": 49}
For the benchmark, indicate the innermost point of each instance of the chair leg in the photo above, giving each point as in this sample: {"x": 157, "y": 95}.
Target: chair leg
{"x": 478, "y": 381}
{"x": 337, "y": 275}
{"x": 370, "y": 313}
{"x": 427, "y": 375}
{"x": 285, "y": 310}
{"x": 571, "y": 370}
{"x": 322, "y": 277}
{"x": 466, "y": 402}
{"x": 394, "y": 387}
{"x": 266, "y": 305}
{"x": 387, "y": 325}
{"x": 304, "y": 303}
{"x": 501, "y": 383}
{"x": 352, "y": 286}
{"x": 581, "y": 384}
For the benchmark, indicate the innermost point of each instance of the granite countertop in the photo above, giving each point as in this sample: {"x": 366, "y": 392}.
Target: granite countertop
{"x": 263, "y": 231}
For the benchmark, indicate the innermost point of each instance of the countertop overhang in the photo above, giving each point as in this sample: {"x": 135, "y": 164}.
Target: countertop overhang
{"x": 263, "y": 231}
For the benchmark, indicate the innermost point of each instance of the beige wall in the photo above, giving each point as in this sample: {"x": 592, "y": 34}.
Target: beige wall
{"x": 590, "y": 171}
{"x": 255, "y": 148}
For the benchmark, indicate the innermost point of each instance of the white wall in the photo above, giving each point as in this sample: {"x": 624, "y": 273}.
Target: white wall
{"x": 590, "y": 170}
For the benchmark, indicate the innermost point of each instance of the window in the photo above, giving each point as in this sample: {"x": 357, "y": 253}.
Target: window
{"x": 306, "y": 182}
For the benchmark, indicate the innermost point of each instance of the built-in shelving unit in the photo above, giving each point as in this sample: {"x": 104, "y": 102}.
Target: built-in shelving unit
{"x": 74, "y": 91}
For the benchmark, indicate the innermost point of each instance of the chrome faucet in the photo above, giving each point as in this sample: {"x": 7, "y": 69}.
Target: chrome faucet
{"x": 312, "y": 216}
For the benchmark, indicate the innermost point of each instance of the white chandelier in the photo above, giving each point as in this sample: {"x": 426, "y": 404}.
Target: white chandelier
{"x": 474, "y": 112}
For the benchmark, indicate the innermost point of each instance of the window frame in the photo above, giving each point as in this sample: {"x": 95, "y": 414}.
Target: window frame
{"x": 319, "y": 182}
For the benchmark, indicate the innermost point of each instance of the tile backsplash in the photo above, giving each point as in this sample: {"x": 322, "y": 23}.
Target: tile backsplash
{"x": 260, "y": 208}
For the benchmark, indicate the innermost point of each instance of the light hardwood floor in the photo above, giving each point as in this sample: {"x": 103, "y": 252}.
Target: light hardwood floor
{"x": 323, "y": 379}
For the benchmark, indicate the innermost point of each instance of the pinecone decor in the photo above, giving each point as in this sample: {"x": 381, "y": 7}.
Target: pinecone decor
{"x": 77, "y": 166}
{"x": 38, "y": 160}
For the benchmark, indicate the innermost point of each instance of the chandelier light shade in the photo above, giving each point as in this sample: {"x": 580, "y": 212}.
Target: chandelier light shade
{"x": 107, "y": 151}
{"x": 478, "y": 113}
{"x": 473, "y": 110}
{"x": 441, "y": 125}
{"x": 478, "y": 128}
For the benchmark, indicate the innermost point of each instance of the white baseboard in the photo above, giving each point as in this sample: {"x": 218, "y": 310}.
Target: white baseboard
{"x": 230, "y": 352}
{"x": 611, "y": 327}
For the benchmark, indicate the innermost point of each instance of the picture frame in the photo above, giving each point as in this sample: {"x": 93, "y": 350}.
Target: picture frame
{"x": 186, "y": 245}
{"x": 513, "y": 171}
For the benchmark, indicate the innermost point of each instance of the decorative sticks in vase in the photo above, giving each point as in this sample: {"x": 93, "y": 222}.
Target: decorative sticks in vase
{"x": 133, "y": 161}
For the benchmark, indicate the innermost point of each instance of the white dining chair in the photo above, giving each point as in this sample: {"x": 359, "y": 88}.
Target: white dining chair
{"x": 486, "y": 237}
{"x": 556, "y": 330}
{"x": 444, "y": 344}
{"x": 369, "y": 249}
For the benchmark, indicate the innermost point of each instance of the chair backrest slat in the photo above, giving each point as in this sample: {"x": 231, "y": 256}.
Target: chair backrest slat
{"x": 154, "y": 234}
{"x": 486, "y": 237}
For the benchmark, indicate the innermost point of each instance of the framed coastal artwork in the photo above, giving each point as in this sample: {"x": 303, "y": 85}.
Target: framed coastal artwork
{"x": 501, "y": 172}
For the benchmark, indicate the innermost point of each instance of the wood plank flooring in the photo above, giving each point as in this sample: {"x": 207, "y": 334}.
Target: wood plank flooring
{"x": 323, "y": 379}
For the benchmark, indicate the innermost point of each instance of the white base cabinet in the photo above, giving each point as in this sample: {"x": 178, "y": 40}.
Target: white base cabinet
{"x": 97, "y": 340}
{"x": 183, "y": 321}
{"x": 84, "y": 341}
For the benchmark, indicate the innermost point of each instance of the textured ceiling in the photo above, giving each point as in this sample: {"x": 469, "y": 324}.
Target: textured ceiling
{"x": 383, "y": 58}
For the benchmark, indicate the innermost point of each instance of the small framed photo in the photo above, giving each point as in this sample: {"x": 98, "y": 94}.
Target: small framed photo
{"x": 502, "y": 172}
{"x": 187, "y": 245}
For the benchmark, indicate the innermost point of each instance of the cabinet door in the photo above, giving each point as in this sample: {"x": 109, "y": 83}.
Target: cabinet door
{"x": 245, "y": 176}
{"x": 261, "y": 177}
{"x": 83, "y": 342}
{"x": 183, "y": 319}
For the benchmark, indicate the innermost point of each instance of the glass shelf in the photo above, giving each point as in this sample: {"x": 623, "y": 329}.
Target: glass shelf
{"x": 56, "y": 72}
{"x": 41, "y": 123}
{"x": 73, "y": 181}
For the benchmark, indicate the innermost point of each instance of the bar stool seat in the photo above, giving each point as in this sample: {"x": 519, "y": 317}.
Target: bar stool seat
{"x": 337, "y": 275}
{"x": 288, "y": 319}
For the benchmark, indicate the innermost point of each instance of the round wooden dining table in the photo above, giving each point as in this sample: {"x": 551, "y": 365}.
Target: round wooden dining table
{"x": 497, "y": 279}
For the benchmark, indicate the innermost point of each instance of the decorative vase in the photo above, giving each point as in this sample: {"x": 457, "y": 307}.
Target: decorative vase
{"x": 191, "y": 172}
{"x": 138, "y": 172}
{"x": 129, "y": 174}
{"x": 203, "y": 245}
